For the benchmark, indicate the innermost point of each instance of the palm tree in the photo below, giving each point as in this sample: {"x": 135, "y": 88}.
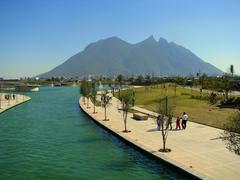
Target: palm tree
{"x": 127, "y": 100}
{"x": 105, "y": 101}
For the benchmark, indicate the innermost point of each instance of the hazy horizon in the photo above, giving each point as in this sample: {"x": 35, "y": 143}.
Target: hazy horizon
{"x": 36, "y": 36}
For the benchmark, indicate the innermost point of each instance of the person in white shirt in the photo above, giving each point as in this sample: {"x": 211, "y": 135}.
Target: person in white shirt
{"x": 184, "y": 120}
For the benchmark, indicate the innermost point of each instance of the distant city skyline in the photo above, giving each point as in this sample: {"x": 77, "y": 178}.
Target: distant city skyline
{"x": 36, "y": 36}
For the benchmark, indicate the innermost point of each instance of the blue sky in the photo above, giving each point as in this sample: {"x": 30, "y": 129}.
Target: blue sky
{"x": 37, "y": 35}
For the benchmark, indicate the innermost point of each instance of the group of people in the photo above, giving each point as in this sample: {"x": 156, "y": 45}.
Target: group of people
{"x": 179, "y": 122}
{"x": 184, "y": 119}
{"x": 10, "y": 96}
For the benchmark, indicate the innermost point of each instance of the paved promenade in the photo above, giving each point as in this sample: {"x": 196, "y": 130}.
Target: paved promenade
{"x": 12, "y": 101}
{"x": 198, "y": 149}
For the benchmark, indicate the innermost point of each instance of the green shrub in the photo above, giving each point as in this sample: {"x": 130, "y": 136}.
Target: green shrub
{"x": 213, "y": 98}
{"x": 185, "y": 94}
{"x": 230, "y": 100}
{"x": 237, "y": 101}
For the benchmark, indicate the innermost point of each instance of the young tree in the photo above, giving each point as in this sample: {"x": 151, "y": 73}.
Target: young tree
{"x": 127, "y": 100}
{"x": 105, "y": 101}
{"x": 225, "y": 85}
{"x": 83, "y": 90}
{"x": 231, "y": 135}
{"x": 88, "y": 92}
{"x": 94, "y": 95}
{"x": 213, "y": 98}
{"x": 165, "y": 118}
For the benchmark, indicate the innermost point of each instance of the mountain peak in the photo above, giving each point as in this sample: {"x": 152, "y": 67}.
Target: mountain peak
{"x": 149, "y": 40}
{"x": 112, "y": 56}
{"x": 162, "y": 41}
{"x": 107, "y": 42}
{"x": 113, "y": 38}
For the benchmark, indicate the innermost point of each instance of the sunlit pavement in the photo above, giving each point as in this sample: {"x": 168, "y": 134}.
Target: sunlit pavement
{"x": 198, "y": 149}
{"x": 11, "y": 102}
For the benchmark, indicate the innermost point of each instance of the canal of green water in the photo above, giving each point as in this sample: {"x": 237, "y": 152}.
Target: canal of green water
{"x": 49, "y": 137}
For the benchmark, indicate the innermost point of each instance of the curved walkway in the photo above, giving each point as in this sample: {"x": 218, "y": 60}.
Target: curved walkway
{"x": 8, "y": 104}
{"x": 197, "y": 150}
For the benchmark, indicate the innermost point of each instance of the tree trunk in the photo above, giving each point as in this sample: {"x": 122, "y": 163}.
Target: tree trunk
{"x": 84, "y": 101}
{"x": 163, "y": 133}
{"x": 225, "y": 96}
{"x": 164, "y": 144}
{"x": 87, "y": 102}
{"x": 105, "y": 113}
{"x": 125, "y": 121}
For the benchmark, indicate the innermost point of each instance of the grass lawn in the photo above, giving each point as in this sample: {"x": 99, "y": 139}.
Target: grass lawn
{"x": 198, "y": 110}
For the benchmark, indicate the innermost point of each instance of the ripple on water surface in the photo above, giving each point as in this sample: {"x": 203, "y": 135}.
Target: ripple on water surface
{"x": 49, "y": 137}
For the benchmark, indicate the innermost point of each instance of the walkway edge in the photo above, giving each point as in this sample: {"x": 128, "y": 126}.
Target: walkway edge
{"x": 26, "y": 100}
{"x": 167, "y": 161}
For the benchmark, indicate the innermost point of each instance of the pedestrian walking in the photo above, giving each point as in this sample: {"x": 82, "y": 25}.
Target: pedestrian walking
{"x": 178, "y": 123}
{"x": 159, "y": 122}
{"x": 184, "y": 120}
{"x": 170, "y": 121}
